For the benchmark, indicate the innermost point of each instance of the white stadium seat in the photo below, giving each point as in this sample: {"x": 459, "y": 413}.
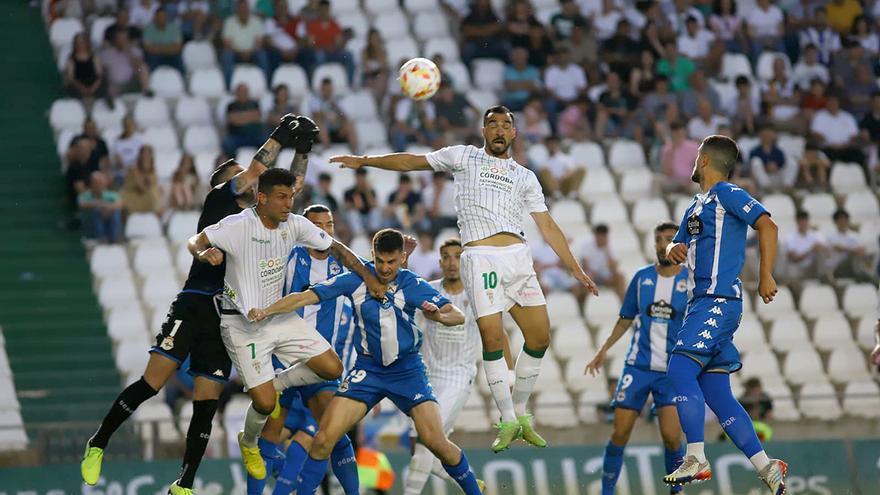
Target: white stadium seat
{"x": 417, "y": 6}
{"x": 781, "y": 207}
{"x": 488, "y": 73}
{"x": 377, "y": 7}
{"x": 97, "y": 30}
{"x": 67, "y": 113}
{"x": 569, "y": 214}
{"x": 201, "y": 139}
{"x": 555, "y": 409}
{"x": 847, "y": 364}
{"x": 831, "y": 331}
{"x": 571, "y": 338}
{"x": 461, "y": 78}
{"x": 151, "y": 256}
{"x": 167, "y": 82}
{"x": 166, "y": 162}
{"x": 626, "y": 155}
{"x": 482, "y": 98}
{"x": 862, "y": 206}
{"x": 819, "y": 401}
{"x": 294, "y": 77}
{"x": 106, "y": 118}
{"x": 562, "y": 306}
{"x": 862, "y": 399}
{"x": 207, "y": 83}
{"x": 143, "y": 226}
{"x": 734, "y": 65}
{"x": 636, "y": 184}
{"x": 764, "y": 67}
{"x": 336, "y": 72}
{"x": 445, "y": 46}
{"x": 647, "y": 213}
{"x": 198, "y": 55}
{"x": 550, "y": 378}
{"x": 860, "y": 299}
{"x": 357, "y": 21}
{"x": 818, "y": 300}
{"x": 611, "y": 211}
{"x": 598, "y": 187}
{"x": 789, "y": 332}
{"x": 161, "y": 138}
{"x": 183, "y": 225}
{"x": 793, "y": 146}
{"x": 783, "y": 304}
{"x": 192, "y": 110}
{"x": 159, "y": 287}
{"x": 371, "y": 133}
{"x": 126, "y": 322}
{"x": 589, "y": 154}
{"x": 359, "y": 105}
{"x": 750, "y": 334}
{"x": 803, "y": 365}
{"x": 601, "y": 308}
{"x": 472, "y": 417}
{"x": 251, "y": 76}
{"x": 865, "y": 332}
{"x": 403, "y": 48}
{"x": 150, "y": 112}
{"x": 763, "y": 363}
{"x": 62, "y": 31}
{"x": 343, "y": 6}
{"x": 108, "y": 259}
{"x": 846, "y": 178}
{"x": 429, "y": 24}
{"x": 63, "y": 140}
{"x": 116, "y": 291}
{"x": 820, "y": 206}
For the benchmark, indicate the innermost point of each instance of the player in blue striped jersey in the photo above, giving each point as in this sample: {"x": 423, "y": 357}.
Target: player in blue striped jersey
{"x": 655, "y": 301}
{"x": 389, "y": 363}
{"x": 712, "y": 239}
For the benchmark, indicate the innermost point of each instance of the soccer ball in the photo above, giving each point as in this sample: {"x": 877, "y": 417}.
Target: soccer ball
{"x": 419, "y": 78}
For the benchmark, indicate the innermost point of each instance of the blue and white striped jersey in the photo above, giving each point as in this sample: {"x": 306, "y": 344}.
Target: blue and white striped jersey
{"x": 657, "y": 304}
{"x": 332, "y": 318}
{"x": 384, "y": 331}
{"x": 714, "y": 229}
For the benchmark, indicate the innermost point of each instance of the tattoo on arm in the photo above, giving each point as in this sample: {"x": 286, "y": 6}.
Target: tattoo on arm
{"x": 348, "y": 259}
{"x": 268, "y": 153}
{"x": 265, "y": 158}
{"x": 298, "y": 168}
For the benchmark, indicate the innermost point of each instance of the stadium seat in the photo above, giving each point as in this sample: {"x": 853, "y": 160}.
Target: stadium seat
{"x": 461, "y": 78}
{"x": 371, "y": 133}
{"x": 831, "y": 331}
{"x": 151, "y": 112}
{"x": 862, "y": 399}
{"x": 601, "y": 308}
{"x": 610, "y": 211}
{"x": 575, "y": 379}
{"x": 598, "y": 188}
{"x": 295, "y": 78}
{"x": 818, "y": 300}
{"x": 787, "y": 333}
{"x": 626, "y": 155}
{"x": 13, "y": 439}
{"x": 792, "y": 146}
{"x": 726, "y": 92}
{"x": 403, "y": 48}
{"x": 589, "y": 154}
{"x": 488, "y": 73}
{"x": 750, "y": 334}
{"x": 820, "y": 206}
{"x": 340, "y": 7}
{"x": 251, "y": 76}
{"x": 192, "y": 110}
{"x": 159, "y": 287}
{"x": 624, "y": 240}
{"x": 199, "y": 139}
{"x": 161, "y": 138}
{"x": 472, "y": 417}
{"x": 681, "y": 204}
{"x": 361, "y": 246}
{"x": 419, "y": 6}
{"x": 782, "y": 305}
{"x": 107, "y": 259}
{"x": 550, "y": 378}
{"x": 860, "y": 300}
{"x": 562, "y": 306}
{"x": 63, "y": 140}
{"x": 847, "y": 364}
{"x": 647, "y": 213}
{"x": 143, "y": 226}
{"x": 428, "y": 25}
{"x": 482, "y": 98}
{"x": 588, "y": 403}
{"x": 569, "y": 214}
{"x": 555, "y": 409}
{"x": 335, "y": 72}
{"x": 571, "y": 337}
{"x": 115, "y": 291}
{"x": 378, "y": 7}
{"x": 207, "y": 83}
{"x": 636, "y": 184}
{"x": 764, "y": 67}
{"x": 67, "y": 113}
{"x": 106, "y": 118}
{"x": 803, "y": 365}
{"x": 862, "y": 206}
{"x": 166, "y": 82}
{"x": 182, "y": 226}
{"x": 537, "y": 154}
{"x": 763, "y": 363}
{"x": 166, "y": 162}
{"x": 151, "y": 256}
{"x": 182, "y": 259}
{"x": 781, "y": 207}
{"x": 199, "y": 55}
{"x": 126, "y": 322}
{"x": 784, "y": 408}
{"x": 865, "y": 332}
{"x": 445, "y": 46}
{"x": 734, "y": 65}
{"x": 819, "y": 401}
{"x": 846, "y": 178}
{"x": 62, "y": 31}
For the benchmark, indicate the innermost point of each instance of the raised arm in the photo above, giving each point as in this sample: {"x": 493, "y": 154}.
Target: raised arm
{"x": 287, "y": 134}
{"x": 555, "y": 238}
{"x": 400, "y": 162}
{"x": 200, "y": 247}
{"x": 305, "y": 135}
{"x": 767, "y": 242}
{"x": 448, "y": 314}
{"x": 353, "y": 262}
{"x": 286, "y": 304}
{"x": 620, "y": 328}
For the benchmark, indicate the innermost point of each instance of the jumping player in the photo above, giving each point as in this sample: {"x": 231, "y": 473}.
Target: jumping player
{"x": 192, "y": 326}
{"x": 492, "y": 194}
{"x": 712, "y": 240}
{"x": 656, "y": 300}
{"x": 388, "y": 364}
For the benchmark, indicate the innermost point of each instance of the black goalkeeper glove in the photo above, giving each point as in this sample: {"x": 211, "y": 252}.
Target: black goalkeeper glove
{"x": 285, "y": 132}
{"x": 305, "y": 134}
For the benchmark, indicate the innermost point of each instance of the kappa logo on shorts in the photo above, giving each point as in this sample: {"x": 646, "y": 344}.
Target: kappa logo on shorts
{"x": 711, "y": 322}
{"x": 679, "y": 342}
{"x": 716, "y": 311}
{"x": 418, "y": 396}
{"x": 706, "y": 334}
{"x": 721, "y": 300}
{"x": 219, "y": 373}
{"x": 699, "y": 345}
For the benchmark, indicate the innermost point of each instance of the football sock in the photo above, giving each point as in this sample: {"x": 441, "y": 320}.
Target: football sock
{"x": 297, "y": 375}
{"x": 128, "y": 400}
{"x": 672, "y": 459}
{"x": 437, "y": 470}
{"x": 461, "y": 473}
{"x": 528, "y": 367}
{"x": 496, "y": 375}
{"x": 197, "y": 436}
{"x": 612, "y": 463}
{"x": 731, "y": 415}
{"x": 253, "y": 424}
{"x": 293, "y": 463}
{"x": 310, "y": 476}
{"x": 344, "y": 465}
{"x": 689, "y": 402}
{"x": 419, "y": 470}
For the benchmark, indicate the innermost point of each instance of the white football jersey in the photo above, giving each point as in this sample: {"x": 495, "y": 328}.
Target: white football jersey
{"x": 492, "y": 195}
{"x": 451, "y": 352}
{"x": 256, "y": 256}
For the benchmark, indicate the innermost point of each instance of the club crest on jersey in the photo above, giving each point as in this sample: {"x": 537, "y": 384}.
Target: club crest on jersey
{"x": 167, "y": 343}
{"x": 681, "y": 285}
{"x": 284, "y": 235}
{"x": 694, "y": 225}
{"x": 334, "y": 268}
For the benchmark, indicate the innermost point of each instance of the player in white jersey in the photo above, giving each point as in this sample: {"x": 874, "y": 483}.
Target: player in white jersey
{"x": 450, "y": 355}
{"x": 492, "y": 195}
{"x": 256, "y": 243}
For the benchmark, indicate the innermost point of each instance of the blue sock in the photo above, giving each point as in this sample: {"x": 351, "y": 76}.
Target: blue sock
{"x": 311, "y": 475}
{"x": 463, "y": 475}
{"x": 689, "y": 401}
{"x": 344, "y": 466}
{"x": 733, "y": 418}
{"x": 286, "y": 483}
{"x": 612, "y": 463}
{"x": 673, "y": 460}
{"x": 271, "y": 456}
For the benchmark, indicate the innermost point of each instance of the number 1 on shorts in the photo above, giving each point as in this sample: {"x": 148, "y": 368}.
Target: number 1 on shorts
{"x": 253, "y": 350}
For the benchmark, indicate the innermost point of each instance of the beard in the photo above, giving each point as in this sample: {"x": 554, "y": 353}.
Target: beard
{"x": 498, "y": 148}
{"x": 663, "y": 260}
{"x": 695, "y": 176}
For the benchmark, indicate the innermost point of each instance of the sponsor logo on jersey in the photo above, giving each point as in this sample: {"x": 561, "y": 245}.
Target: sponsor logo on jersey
{"x": 694, "y": 225}
{"x": 334, "y": 268}
{"x": 270, "y": 267}
{"x": 284, "y": 235}
{"x": 661, "y": 310}
{"x": 621, "y": 396}
{"x": 260, "y": 241}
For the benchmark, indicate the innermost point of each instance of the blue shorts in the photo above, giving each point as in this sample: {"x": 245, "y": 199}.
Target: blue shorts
{"x": 707, "y": 333}
{"x": 405, "y": 382}
{"x": 635, "y": 384}
{"x": 299, "y": 418}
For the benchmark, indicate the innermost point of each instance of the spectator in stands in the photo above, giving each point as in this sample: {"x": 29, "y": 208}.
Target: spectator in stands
{"x": 869, "y": 128}
{"x": 859, "y": 93}
{"x": 781, "y": 99}
{"x": 552, "y": 274}
{"x": 328, "y": 40}
{"x": 424, "y": 259}
{"x": 558, "y": 173}
{"x": 813, "y": 100}
{"x": 754, "y": 395}
{"x": 374, "y": 65}
{"x": 745, "y": 108}
{"x": 185, "y": 193}
{"x": 520, "y": 21}
{"x": 706, "y": 122}
{"x": 243, "y": 41}
{"x": 140, "y": 191}
{"x": 727, "y": 25}
{"x": 814, "y": 166}
{"x": 163, "y": 42}
{"x": 606, "y": 19}
{"x": 283, "y": 34}
{"x": 334, "y": 123}
{"x": 83, "y": 74}
{"x": 653, "y": 110}
{"x": 101, "y": 210}
{"x": 483, "y": 33}
{"x": 122, "y": 24}
{"x": 244, "y": 122}
{"x": 699, "y": 45}
{"x": 362, "y": 209}
{"x": 677, "y": 160}
{"x": 620, "y": 51}
{"x": 404, "y": 209}
{"x": 80, "y": 167}
{"x": 837, "y": 132}
{"x": 142, "y": 11}
{"x": 196, "y": 20}
{"x": 689, "y": 99}
{"x": 281, "y": 105}
{"x": 454, "y": 114}
{"x": 861, "y": 32}
{"x": 413, "y": 122}
{"x": 847, "y": 257}
{"x": 521, "y": 80}
{"x": 842, "y": 13}
{"x": 643, "y": 77}
{"x": 676, "y": 67}
{"x": 536, "y": 124}
{"x": 765, "y": 27}
{"x": 124, "y": 67}
{"x": 439, "y": 200}
{"x": 125, "y": 149}
{"x": 574, "y": 122}
{"x": 809, "y": 68}
{"x": 566, "y": 20}
{"x": 565, "y": 82}
{"x": 599, "y": 261}
{"x": 769, "y": 165}
{"x": 323, "y": 194}
{"x": 614, "y": 117}
{"x": 540, "y": 45}
{"x": 804, "y": 249}
{"x": 582, "y": 46}
{"x": 99, "y": 158}
{"x": 847, "y": 62}
{"x": 820, "y": 34}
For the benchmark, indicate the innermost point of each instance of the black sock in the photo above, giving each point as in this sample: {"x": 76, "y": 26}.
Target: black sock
{"x": 196, "y": 440}
{"x": 125, "y": 404}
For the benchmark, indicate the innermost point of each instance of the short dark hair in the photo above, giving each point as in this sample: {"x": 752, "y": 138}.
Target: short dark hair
{"x": 450, "y": 242}
{"x": 326, "y": 80}
{"x": 752, "y": 382}
{"x": 404, "y": 179}
{"x": 325, "y": 176}
{"x": 388, "y": 241}
{"x": 740, "y": 80}
{"x": 676, "y": 125}
{"x": 274, "y": 177}
{"x": 840, "y": 213}
{"x": 600, "y": 229}
{"x": 801, "y": 215}
{"x": 315, "y": 208}
{"x": 722, "y": 151}
{"x": 360, "y": 171}
{"x": 665, "y": 225}
{"x": 220, "y": 174}
{"x": 497, "y": 109}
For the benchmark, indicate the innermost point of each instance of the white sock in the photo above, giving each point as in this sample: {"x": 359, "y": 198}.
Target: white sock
{"x": 253, "y": 425}
{"x": 527, "y": 370}
{"x": 696, "y": 449}
{"x": 419, "y": 470}
{"x": 297, "y": 375}
{"x": 760, "y": 460}
{"x": 437, "y": 470}
{"x": 496, "y": 376}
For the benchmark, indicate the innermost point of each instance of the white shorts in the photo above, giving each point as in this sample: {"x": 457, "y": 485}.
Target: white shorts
{"x": 251, "y": 345}
{"x": 496, "y": 278}
{"x": 452, "y": 395}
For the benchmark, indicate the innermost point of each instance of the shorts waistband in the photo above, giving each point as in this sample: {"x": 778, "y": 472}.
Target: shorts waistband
{"x": 496, "y": 249}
